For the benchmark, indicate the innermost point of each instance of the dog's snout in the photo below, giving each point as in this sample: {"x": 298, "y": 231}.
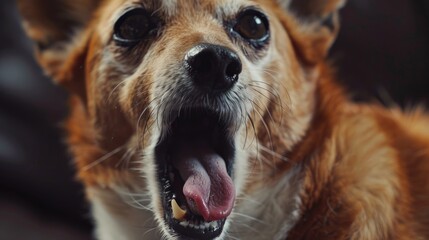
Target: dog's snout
{"x": 213, "y": 68}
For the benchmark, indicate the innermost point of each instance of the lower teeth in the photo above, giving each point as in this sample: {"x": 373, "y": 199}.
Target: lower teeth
{"x": 211, "y": 225}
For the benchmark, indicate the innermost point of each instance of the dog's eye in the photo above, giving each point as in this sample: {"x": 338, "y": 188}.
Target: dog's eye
{"x": 252, "y": 25}
{"x": 132, "y": 27}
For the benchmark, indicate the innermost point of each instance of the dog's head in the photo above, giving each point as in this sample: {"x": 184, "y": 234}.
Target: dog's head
{"x": 198, "y": 91}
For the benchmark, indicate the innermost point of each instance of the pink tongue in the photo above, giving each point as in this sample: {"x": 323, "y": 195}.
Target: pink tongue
{"x": 208, "y": 188}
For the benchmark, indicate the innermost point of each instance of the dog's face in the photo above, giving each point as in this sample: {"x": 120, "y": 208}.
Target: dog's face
{"x": 197, "y": 91}
{"x": 190, "y": 79}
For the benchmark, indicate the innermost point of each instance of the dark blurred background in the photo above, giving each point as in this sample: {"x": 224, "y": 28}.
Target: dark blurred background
{"x": 382, "y": 55}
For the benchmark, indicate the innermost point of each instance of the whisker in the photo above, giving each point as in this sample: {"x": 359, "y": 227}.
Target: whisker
{"x": 148, "y": 231}
{"x": 250, "y": 217}
{"x": 103, "y": 158}
{"x": 264, "y": 123}
{"x": 277, "y": 102}
{"x": 114, "y": 89}
{"x": 274, "y": 154}
{"x": 252, "y": 123}
{"x": 126, "y": 157}
{"x": 247, "y": 198}
{"x": 138, "y": 204}
{"x": 140, "y": 135}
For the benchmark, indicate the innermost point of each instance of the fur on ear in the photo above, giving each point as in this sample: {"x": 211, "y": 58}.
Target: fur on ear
{"x": 58, "y": 29}
{"x": 313, "y": 26}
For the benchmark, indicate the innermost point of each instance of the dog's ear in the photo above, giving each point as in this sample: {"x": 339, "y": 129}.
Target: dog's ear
{"x": 313, "y": 25}
{"x": 57, "y": 27}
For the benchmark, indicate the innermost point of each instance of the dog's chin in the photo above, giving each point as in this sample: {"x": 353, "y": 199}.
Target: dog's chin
{"x": 194, "y": 162}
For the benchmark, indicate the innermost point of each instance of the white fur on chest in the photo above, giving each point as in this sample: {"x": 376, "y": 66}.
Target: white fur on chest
{"x": 121, "y": 216}
{"x": 269, "y": 213}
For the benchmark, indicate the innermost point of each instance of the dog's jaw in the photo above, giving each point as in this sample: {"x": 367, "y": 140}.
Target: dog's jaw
{"x": 236, "y": 159}
{"x": 150, "y": 172}
{"x": 117, "y": 216}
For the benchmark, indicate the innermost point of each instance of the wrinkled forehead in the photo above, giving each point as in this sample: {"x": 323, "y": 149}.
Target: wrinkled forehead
{"x": 172, "y": 8}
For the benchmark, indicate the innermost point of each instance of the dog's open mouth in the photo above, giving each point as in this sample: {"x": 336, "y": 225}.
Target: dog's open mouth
{"x": 195, "y": 162}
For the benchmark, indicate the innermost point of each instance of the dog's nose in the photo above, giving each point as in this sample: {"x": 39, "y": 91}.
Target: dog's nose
{"x": 213, "y": 68}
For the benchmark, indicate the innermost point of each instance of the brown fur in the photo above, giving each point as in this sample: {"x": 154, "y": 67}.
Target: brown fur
{"x": 363, "y": 168}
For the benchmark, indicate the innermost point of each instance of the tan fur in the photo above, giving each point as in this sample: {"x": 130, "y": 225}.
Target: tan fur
{"x": 309, "y": 164}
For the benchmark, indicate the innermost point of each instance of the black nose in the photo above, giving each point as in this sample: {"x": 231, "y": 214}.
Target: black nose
{"x": 213, "y": 68}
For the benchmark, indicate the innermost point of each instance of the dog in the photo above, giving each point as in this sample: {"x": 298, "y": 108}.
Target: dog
{"x": 222, "y": 119}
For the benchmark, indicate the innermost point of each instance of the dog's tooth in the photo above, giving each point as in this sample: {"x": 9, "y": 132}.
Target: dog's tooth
{"x": 213, "y": 224}
{"x": 184, "y": 223}
{"x": 206, "y": 225}
{"x": 178, "y": 212}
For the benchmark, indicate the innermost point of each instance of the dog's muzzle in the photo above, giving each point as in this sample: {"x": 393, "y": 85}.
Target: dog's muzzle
{"x": 195, "y": 155}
